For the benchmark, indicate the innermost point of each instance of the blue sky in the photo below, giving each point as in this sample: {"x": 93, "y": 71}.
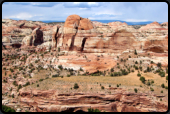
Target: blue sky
{"x": 59, "y": 11}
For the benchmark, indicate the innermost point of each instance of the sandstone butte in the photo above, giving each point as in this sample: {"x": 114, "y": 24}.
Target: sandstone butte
{"x": 90, "y": 45}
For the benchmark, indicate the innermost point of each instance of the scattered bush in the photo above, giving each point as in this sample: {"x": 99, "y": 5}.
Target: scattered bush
{"x": 151, "y": 89}
{"x": 19, "y": 87}
{"x": 102, "y": 87}
{"x": 41, "y": 80}
{"x": 76, "y": 86}
{"x": 129, "y": 56}
{"x": 166, "y": 77}
{"x": 136, "y": 62}
{"x": 135, "y": 52}
{"x": 142, "y": 79}
{"x": 7, "y": 109}
{"x": 109, "y": 85}
{"x": 162, "y": 74}
{"x": 68, "y": 75}
{"x": 28, "y": 83}
{"x": 93, "y": 110}
{"x": 58, "y": 49}
{"x": 135, "y": 90}
{"x": 152, "y": 82}
{"x": 148, "y": 69}
{"x": 152, "y": 62}
{"x": 159, "y": 65}
{"x": 117, "y": 85}
{"x": 112, "y": 69}
{"x": 138, "y": 74}
{"x": 81, "y": 69}
{"x": 121, "y": 60}
{"x": 166, "y": 87}
{"x": 11, "y": 70}
{"x": 15, "y": 83}
{"x": 162, "y": 85}
{"x": 4, "y": 81}
{"x": 162, "y": 91}
{"x": 37, "y": 85}
{"x": 12, "y": 95}
{"x": 148, "y": 83}
{"x": 60, "y": 67}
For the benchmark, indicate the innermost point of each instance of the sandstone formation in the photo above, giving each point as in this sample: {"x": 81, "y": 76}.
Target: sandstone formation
{"x": 120, "y": 101}
{"x": 36, "y": 38}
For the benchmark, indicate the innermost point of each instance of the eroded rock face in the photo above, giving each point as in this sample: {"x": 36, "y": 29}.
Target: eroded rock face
{"x": 43, "y": 101}
{"x": 36, "y": 38}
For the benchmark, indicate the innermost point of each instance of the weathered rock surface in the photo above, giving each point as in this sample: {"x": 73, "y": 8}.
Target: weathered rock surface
{"x": 36, "y": 38}
{"x": 52, "y": 101}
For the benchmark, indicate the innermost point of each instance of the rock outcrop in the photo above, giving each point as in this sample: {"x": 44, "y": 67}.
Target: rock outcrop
{"x": 36, "y": 38}
{"x": 120, "y": 101}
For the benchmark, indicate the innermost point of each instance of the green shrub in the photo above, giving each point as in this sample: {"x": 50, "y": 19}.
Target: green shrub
{"x": 76, "y": 86}
{"x": 136, "y": 62}
{"x": 93, "y": 110}
{"x": 166, "y": 77}
{"x": 148, "y": 69}
{"x": 140, "y": 67}
{"x": 60, "y": 67}
{"x": 58, "y": 49}
{"x": 132, "y": 70}
{"x": 166, "y": 87}
{"x": 117, "y": 85}
{"x": 121, "y": 60}
{"x": 142, "y": 79}
{"x": 152, "y": 62}
{"x": 11, "y": 70}
{"x": 68, "y": 75}
{"x": 12, "y": 95}
{"x": 148, "y": 83}
{"x": 111, "y": 74}
{"x": 115, "y": 74}
{"x": 4, "y": 81}
{"x": 160, "y": 99}
{"x": 19, "y": 87}
{"x": 109, "y": 85}
{"x": 151, "y": 89}
{"x": 162, "y": 85}
{"x": 135, "y": 90}
{"x": 15, "y": 83}
{"x": 138, "y": 74}
{"x": 37, "y": 85}
{"x": 41, "y": 80}
{"x": 135, "y": 52}
{"x": 129, "y": 56}
{"x": 81, "y": 69}
{"x": 159, "y": 65}
{"x": 7, "y": 109}
{"x": 162, "y": 74}
{"x": 162, "y": 91}
{"x": 112, "y": 69}
{"x": 152, "y": 82}
{"x": 102, "y": 87}
{"x": 28, "y": 83}
{"x": 167, "y": 70}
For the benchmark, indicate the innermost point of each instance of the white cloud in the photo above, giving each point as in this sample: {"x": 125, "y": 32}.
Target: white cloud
{"x": 92, "y": 3}
{"x": 76, "y": 2}
{"x": 21, "y": 16}
{"x": 83, "y": 8}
